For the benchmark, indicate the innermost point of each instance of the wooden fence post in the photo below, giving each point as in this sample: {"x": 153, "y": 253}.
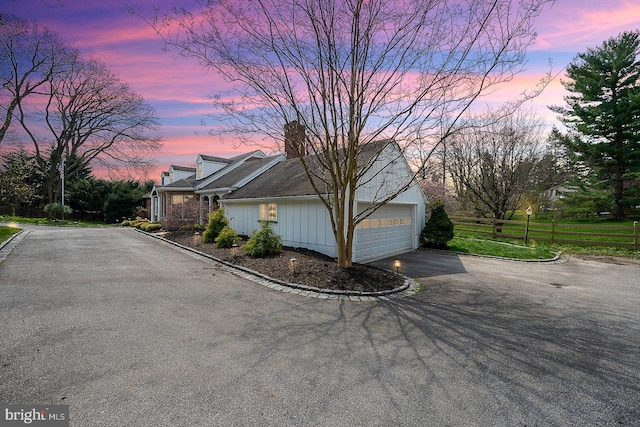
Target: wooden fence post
{"x": 553, "y": 231}
{"x": 493, "y": 221}
{"x": 635, "y": 236}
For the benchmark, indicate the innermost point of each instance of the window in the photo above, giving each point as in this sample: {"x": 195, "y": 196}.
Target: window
{"x": 365, "y": 223}
{"x": 268, "y": 212}
{"x": 171, "y": 177}
{"x": 374, "y": 223}
{"x": 176, "y": 199}
{"x": 383, "y": 222}
{"x": 199, "y": 176}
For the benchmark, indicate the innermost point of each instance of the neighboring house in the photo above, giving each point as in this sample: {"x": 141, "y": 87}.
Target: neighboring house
{"x": 553, "y": 195}
{"x": 183, "y": 188}
{"x": 284, "y": 196}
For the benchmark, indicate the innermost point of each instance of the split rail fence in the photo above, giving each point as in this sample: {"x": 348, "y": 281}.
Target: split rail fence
{"x": 578, "y": 234}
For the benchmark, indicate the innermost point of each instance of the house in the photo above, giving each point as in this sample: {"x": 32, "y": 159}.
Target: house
{"x": 552, "y": 196}
{"x": 284, "y": 196}
{"x": 189, "y": 193}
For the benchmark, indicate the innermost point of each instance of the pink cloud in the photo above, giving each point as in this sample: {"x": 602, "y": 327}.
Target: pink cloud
{"x": 574, "y": 26}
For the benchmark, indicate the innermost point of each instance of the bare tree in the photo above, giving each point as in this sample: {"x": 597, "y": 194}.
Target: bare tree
{"x": 89, "y": 116}
{"x": 495, "y": 164}
{"x": 353, "y": 72}
{"x": 29, "y": 58}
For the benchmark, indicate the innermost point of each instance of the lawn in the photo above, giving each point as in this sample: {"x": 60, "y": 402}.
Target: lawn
{"x": 6, "y": 232}
{"x": 482, "y": 246}
{"x": 593, "y": 236}
{"x": 46, "y": 221}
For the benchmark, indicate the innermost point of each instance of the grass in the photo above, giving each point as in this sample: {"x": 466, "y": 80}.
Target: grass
{"x": 46, "y": 221}
{"x": 478, "y": 246}
{"x": 482, "y": 243}
{"x": 6, "y": 232}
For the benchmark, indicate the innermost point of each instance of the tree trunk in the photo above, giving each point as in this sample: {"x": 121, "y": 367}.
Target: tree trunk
{"x": 619, "y": 176}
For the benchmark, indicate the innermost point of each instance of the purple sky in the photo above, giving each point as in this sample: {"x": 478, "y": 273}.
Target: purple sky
{"x": 178, "y": 89}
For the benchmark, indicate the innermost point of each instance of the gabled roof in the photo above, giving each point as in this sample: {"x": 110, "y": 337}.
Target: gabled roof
{"x": 182, "y": 168}
{"x": 188, "y": 182}
{"x": 214, "y": 159}
{"x": 286, "y": 178}
{"x": 289, "y": 179}
{"x": 232, "y": 178}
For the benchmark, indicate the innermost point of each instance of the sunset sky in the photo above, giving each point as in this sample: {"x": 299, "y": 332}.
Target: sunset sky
{"x": 179, "y": 89}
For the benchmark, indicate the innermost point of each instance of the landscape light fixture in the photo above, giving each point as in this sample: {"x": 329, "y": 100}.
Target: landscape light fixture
{"x": 397, "y": 266}
{"x": 293, "y": 265}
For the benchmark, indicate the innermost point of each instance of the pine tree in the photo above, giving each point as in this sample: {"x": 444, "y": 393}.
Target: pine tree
{"x": 604, "y": 109}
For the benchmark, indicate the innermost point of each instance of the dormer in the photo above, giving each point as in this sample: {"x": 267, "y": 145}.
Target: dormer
{"x": 177, "y": 173}
{"x": 164, "y": 178}
{"x": 206, "y": 165}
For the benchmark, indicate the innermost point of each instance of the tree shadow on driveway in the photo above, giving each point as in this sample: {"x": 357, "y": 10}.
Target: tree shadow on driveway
{"x": 515, "y": 359}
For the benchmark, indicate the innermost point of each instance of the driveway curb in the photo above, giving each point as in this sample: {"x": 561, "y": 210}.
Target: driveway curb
{"x": 7, "y": 246}
{"x": 410, "y": 286}
{"x": 559, "y": 256}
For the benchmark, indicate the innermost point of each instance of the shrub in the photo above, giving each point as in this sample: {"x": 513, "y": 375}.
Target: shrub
{"x": 150, "y": 227}
{"x": 227, "y": 238}
{"x": 439, "y": 229}
{"x": 57, "y": 210}
{"x": 217, "y": 221}
{"x": 264, "y": 242}
{"x": 140, "y": 223}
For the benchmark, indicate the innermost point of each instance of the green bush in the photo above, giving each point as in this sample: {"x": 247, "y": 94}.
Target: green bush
{"x": 217, "y": 221}
{"x": 227, "y": 238}
{"x": 57, "y": 210}
{"x": 150, "y": 227}
{"x": 264, "y": 242}
{"x": 439, "y": 229}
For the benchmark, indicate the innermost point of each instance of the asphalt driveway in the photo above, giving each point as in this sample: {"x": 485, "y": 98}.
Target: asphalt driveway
{"x": 127, "y": 330}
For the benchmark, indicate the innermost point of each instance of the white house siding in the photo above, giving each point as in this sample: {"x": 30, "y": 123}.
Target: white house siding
{"x": 302, "y": 223}
{"x": 385, "y": 178}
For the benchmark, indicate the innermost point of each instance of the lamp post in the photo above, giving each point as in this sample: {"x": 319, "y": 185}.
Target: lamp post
{"x": 397, "y": 266}
{"x": 529, "y": 211}
{"x": 61, "y": 168}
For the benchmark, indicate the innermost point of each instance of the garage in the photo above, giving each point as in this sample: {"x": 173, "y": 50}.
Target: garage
{"x": 388, "y": 231}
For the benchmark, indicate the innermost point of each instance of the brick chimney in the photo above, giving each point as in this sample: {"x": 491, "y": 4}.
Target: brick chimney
{"x": 294, "y": 140}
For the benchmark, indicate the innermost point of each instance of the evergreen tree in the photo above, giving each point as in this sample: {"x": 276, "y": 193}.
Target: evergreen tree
{"x": 439, "y": 229}
{"x": 604, "y": 109}
{"x": 217, "y": 221}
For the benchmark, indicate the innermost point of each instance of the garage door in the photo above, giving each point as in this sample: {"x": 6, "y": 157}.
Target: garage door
{"x": 386, "y": 232}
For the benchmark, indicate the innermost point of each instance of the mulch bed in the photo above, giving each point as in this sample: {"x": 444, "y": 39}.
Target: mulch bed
{"x": 310, "y": 268}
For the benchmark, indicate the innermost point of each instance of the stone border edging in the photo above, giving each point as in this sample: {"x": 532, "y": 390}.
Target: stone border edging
{"x": 554, "y": 259}
{"x": 409, "y": 287}
{"x": 13, "y": 240}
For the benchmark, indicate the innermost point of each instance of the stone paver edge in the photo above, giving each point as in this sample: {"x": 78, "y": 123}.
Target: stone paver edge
{"x": 409, "y": 287}
{"x": 7, "y": 246}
